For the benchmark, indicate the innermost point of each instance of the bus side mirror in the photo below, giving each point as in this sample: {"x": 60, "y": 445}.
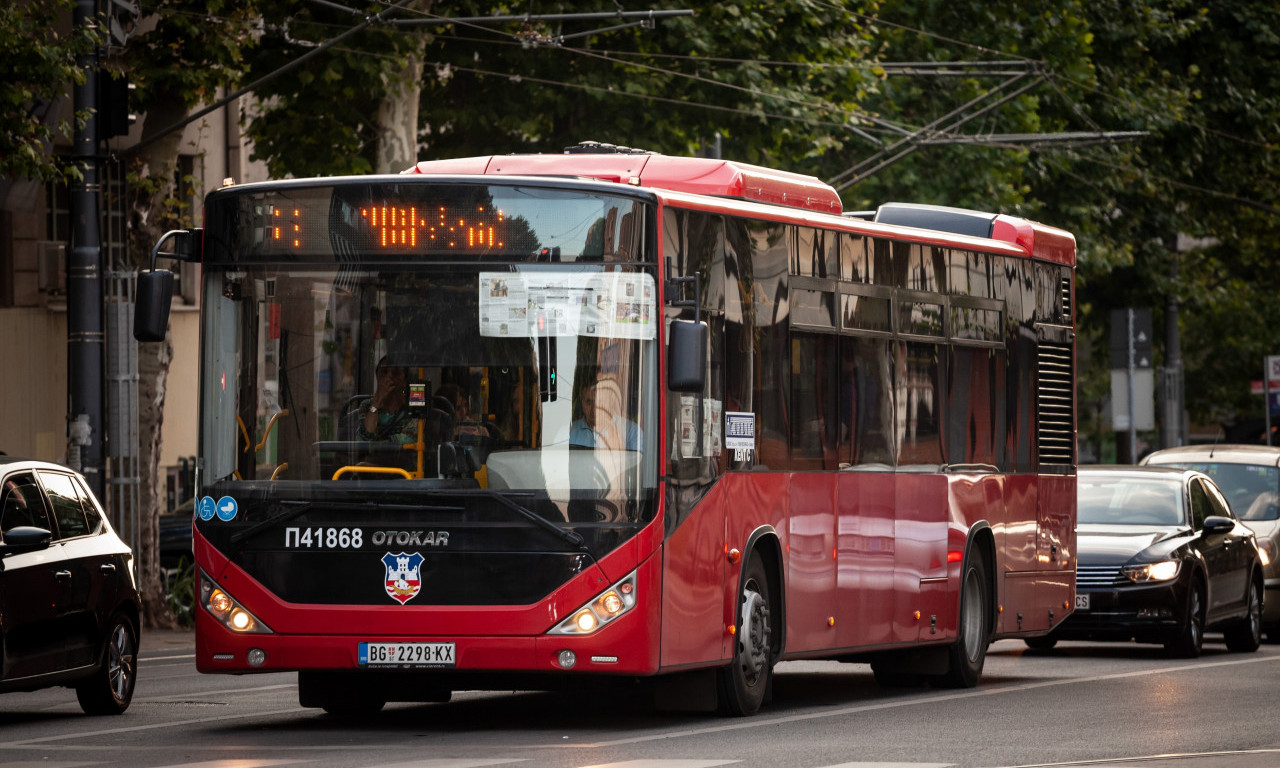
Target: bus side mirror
{"x": 151, "y": 310}
{"x": 155, "y": 287}
{"x": 687, "y": 356}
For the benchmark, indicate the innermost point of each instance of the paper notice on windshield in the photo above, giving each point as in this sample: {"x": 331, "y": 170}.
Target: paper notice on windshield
{"x": 614, "y": 305}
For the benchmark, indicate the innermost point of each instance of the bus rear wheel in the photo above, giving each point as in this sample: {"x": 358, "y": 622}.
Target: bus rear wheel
{"x": 967, "y": 655}
{"x": 745, "y": 683}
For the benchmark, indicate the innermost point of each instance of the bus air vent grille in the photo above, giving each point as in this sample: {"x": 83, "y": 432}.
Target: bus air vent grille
{"x": 1055, "y": 404}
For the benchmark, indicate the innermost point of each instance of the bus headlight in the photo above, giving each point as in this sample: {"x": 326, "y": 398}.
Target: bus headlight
{"x": 1161, "y": 571}
{"x": 607, "y": 606}
{"x": 225, "y": 609}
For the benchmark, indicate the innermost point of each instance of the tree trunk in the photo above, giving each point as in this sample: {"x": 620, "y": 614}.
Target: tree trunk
{"x": 398, "y": 112}
{"x": 150, "y": 184}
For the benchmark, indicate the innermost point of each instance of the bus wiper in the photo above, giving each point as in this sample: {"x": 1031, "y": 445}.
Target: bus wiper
{"x": 572, "y": 538}
{"x": 294, "y": 508}
{"x": 291, "y": 510}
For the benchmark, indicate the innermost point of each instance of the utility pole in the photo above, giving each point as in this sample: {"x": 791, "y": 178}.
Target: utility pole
{"x": 85, "y": 342}
{"x": 1173, "y": 393}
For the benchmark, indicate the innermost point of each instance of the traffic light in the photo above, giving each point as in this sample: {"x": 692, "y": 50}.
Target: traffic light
{"x": 114, "y": 116}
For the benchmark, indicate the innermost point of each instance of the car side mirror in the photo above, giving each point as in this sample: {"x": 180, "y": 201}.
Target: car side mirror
{"x": 1216, "y": 524}
{"x": 25, "y": 538}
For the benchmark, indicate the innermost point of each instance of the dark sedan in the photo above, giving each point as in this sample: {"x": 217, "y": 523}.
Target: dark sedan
{"x": 69, "y": 605}
{"x": 1161, "y": 559}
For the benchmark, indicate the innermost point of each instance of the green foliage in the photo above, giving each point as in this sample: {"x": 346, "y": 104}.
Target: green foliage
{"x": 775, "y": 78}
{"x": 38, "y": 60}
{"x": 180, "y": 592}
{"x": 195, "y": 48}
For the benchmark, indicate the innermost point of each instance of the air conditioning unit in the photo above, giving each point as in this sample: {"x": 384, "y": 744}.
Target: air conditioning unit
{"x": 51, "y": 260}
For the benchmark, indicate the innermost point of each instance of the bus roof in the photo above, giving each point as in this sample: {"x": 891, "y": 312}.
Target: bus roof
{"x": 730, "y": 179}
{"x": 696, "y": 175}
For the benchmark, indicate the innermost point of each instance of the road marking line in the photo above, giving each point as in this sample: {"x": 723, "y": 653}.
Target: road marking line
{"x": 1168, "y": 756}
{"x": 759, "y": 721}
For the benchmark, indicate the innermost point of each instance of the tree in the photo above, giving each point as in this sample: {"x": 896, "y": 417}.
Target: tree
{"x": 1199, "y": 80}
{"x": 193, "y": 50}
{"x": 375, "y": 79}
{"x": 38, "y": 57}
{"x": 775, "y": 79}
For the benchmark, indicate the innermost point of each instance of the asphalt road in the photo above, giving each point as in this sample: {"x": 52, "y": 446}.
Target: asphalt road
{"x": 1081, "y": 704}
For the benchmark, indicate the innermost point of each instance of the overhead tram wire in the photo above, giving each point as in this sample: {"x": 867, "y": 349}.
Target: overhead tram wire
{"x": 909, "y": 144}
{"x": 369, "y": 21}
{"x": 611, "y": 92}
{"x": 382, "y": 17}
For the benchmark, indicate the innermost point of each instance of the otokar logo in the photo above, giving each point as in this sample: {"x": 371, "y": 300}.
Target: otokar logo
{"x": 404, "y": 576}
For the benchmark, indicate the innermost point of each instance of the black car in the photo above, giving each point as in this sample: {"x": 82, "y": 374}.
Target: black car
{"x": 69, "y": 606}
{"x": 1160, "y": 559}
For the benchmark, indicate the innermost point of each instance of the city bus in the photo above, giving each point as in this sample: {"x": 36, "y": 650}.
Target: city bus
{"x": 611, "y": 417}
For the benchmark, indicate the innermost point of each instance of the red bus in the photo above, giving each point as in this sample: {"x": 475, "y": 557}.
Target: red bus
{"x": 530, "y": 422}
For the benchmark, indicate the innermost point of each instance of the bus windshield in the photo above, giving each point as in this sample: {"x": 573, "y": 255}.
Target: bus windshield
{"x": 537, "y": 379}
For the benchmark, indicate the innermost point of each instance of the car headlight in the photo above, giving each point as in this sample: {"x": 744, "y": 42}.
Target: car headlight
{"x": 1266, "y": 551}
{"x": 1161, "y": 571}
{"x": 607, "y": 606}
{"x": 227, "y": 610}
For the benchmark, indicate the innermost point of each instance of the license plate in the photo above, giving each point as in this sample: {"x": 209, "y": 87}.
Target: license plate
{"x": 400, "y": 655}
{"x": 1082, "y": 602}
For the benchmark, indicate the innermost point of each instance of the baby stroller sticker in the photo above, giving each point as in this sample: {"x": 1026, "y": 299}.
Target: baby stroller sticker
{"x": 404, "y": 579}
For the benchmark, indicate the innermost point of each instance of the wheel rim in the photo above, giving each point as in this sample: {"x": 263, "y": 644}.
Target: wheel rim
{"x": 753, "y": 640}
{"x": 1255, "y": 615}
{"x": 971, "y": 612}
{"x": 1194, "y": 630}
{"x": 120, "y": 662}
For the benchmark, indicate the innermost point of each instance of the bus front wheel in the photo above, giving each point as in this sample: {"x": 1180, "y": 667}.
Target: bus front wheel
{"x": 745, "y": 683}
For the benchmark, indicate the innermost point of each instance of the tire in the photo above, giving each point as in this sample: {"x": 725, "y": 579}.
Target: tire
{"x": 109, "y": 689}
{"x": 966, "y": 657}
{"x": 745, "y": 683}
{"x": 1245, "y": 635}
{"x": 1042, "y": 643}
{"x": 1189, "y": 637}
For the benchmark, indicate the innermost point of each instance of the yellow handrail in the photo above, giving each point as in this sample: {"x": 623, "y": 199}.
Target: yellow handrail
{"x": 279, "y": 469}
{"x": 270, "y": 425}
{"x": 372, "y": 471}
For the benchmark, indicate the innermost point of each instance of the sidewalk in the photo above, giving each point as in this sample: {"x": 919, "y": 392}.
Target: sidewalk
{"x": 168, "y": 640}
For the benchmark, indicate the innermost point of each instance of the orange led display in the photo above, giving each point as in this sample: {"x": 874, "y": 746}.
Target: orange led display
{"x": 396, "y": 227}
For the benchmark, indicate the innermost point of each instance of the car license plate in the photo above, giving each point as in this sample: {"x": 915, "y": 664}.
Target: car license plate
{"x": 1082, "y": 602}
{"x": 407, "y": 655}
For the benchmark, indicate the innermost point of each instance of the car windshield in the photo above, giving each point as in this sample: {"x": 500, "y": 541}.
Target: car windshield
{"x": 1251, "y": 489}
{"x": 1129, "y": 500}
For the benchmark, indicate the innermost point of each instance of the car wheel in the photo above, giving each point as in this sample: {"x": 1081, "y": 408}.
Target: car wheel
{"x": 746, "y": 681}
{"x": 109, "y": 689}
{"x": 969, "y": 652}
{"x": 1189, "y": 637}
{"x": 1245, "y": 635}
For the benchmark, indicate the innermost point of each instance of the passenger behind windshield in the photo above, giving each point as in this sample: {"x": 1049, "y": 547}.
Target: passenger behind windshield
{"x": 599, "y": 420}
{"x": 384, "y": 417}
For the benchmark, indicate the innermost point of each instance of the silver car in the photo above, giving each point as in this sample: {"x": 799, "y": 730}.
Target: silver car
{"x": 1249, "y": 476}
